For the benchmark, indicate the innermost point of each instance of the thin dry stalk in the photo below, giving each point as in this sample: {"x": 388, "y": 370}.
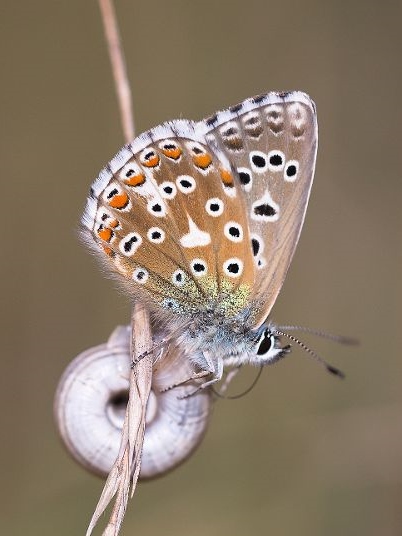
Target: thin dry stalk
{"x": 124, "y": 473}
{"x": 118, "y": 64}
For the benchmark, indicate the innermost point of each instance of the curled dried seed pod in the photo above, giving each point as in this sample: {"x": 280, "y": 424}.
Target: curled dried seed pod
{"x": 91, "y": 401}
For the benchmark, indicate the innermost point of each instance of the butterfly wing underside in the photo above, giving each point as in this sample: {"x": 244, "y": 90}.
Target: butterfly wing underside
{"x": 192, "y": 212}
{"x": 271, "y": 141}
{"x": 168, "y": 217}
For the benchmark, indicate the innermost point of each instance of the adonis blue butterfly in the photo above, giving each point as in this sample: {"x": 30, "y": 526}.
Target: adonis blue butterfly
{"x": 200, "y": 221}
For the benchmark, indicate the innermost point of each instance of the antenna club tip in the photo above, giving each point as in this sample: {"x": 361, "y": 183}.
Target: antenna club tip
{"x": 336, "y": 372}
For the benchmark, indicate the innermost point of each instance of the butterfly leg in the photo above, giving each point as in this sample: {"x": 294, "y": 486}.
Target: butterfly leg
{"x": 160, "y": 345}
{"x": 195, "y": 376}
{"x": 211, "y": 367}
{"x": 217, "y": 371}
{"x": 214, "y": 367}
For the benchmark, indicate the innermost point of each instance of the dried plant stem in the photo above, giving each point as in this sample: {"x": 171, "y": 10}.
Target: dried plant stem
{"x": 124, "y": 473}
{"x": 118, "y": 67}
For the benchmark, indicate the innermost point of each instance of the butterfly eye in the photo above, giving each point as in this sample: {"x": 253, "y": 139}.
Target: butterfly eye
{"x": 266, "y": 342}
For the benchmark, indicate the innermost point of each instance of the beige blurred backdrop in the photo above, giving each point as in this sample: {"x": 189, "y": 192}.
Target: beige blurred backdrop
{"x": 304, "y": 453}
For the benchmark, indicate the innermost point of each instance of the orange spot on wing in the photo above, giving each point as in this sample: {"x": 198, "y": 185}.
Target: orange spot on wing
{"x": 227, "y": 177}
{"x": 152, "y": 161}
{"x": 114, "y": 223}
{"x": 174, "y": 153}
{"x": 135, "y": 180}
{"x": 202, "y": 160}
{"x": 109, "y": 252}
{"x": 119, "y": 201}
{"x": 105, "y": 234}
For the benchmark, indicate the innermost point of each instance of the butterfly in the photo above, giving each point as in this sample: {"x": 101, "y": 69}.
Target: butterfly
{"x": 200, "y": 220}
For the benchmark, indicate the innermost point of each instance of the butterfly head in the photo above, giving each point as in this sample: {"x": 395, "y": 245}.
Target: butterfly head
{"x": 259, "y": 347}
{"x": 268, "y": 347}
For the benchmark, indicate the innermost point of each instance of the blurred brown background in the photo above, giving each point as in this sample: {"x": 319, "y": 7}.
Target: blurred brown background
{"x": 303, "y": 453}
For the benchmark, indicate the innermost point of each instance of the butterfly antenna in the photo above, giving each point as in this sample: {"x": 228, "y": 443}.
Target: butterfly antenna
{"x": 323, "y": 334}
{"x": 330, "y": 368}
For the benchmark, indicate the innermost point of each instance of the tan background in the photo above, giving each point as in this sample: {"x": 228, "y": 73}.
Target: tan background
{"x": 304, "y": 453}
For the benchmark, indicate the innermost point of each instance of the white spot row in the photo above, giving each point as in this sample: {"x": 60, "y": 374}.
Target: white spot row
{"x": 194, "y": 238}
{"x": 274, "y": 161}
{"x": 132, "y": 241}
{"x": 232, "y": 267}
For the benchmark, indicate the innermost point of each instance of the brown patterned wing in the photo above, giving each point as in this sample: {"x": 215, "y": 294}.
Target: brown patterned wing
{"x": 271, "y": 141}
{"x": 167, "y": 215}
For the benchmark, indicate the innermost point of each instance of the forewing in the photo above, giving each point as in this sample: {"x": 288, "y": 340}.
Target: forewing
{"x": 158, "y": 216}
{"x": 271, "y": 141}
